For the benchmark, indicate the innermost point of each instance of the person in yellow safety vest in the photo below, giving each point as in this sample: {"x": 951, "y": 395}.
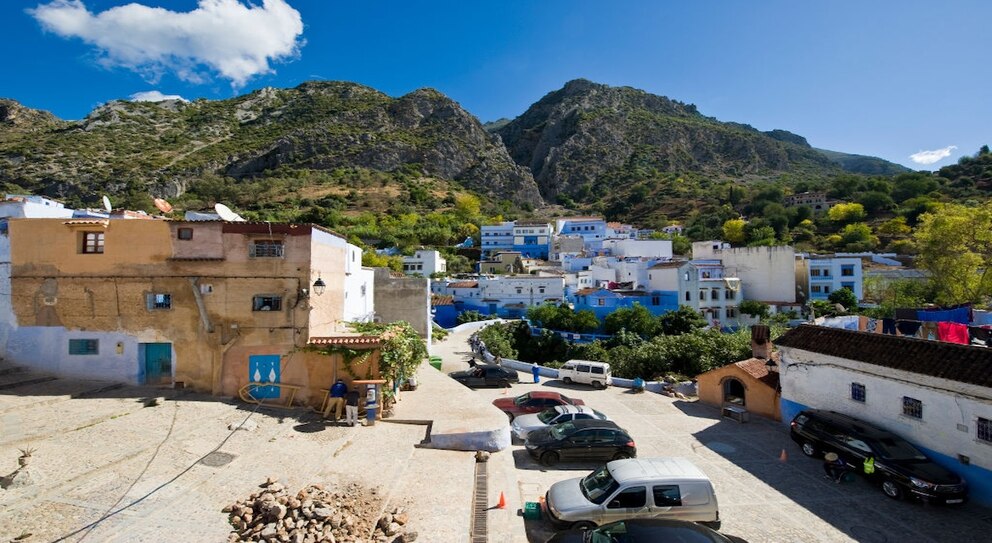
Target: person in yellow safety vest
{"x": 869, "y": 465}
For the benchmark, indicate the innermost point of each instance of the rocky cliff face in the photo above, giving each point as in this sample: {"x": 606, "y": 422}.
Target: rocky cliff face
{"x": 318, "y": 126}
{"x": 587, "y": 133}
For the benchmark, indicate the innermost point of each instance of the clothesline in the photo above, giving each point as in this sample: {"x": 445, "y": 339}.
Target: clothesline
{"x": 948, "y": 331}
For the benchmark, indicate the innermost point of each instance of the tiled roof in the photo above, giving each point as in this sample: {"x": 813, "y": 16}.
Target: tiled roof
{"x": 441, "y": 299}
{"x": 464, "y": 284}
{"x": 585, "y": 291}
{"x": 758, "y": 368}
{"x": 365, "y": 341}
{"x": 664, "y": 265}
{"x": 962, "y": 363}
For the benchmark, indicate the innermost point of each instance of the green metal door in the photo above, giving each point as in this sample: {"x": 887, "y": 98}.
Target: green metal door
{"x": 158, "y": 363}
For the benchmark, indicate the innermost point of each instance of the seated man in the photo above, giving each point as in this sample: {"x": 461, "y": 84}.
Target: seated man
{"x": 834, "y": 467}
{"x": 335, "y": 401}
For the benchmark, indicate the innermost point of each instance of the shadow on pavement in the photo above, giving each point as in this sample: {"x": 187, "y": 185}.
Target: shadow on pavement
{"x": 523, "y": 460}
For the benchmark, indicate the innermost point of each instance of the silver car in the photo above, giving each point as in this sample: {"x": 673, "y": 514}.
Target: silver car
{"x": 636, "y": 488}
{"x": 525, "y": 424}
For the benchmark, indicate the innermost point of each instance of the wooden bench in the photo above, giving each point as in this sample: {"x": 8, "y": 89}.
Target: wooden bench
{"x": 737, "y": 413}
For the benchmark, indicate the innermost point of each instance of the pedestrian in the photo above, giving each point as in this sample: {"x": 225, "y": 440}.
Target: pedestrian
{"x": 536, "y": 370}
{"x": 351, "y": 407}
{"x": 834, "y": 467}
{"x": 335, "y": 400}
{"x": 472, "y": 363}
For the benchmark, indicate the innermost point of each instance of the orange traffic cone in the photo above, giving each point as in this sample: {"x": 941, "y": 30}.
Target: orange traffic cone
{"x": 502, "y": 501}
{"x": 784, "y": 457}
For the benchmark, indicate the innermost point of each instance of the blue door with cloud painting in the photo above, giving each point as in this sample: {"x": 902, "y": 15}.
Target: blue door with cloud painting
{"x": 264, "y": 368}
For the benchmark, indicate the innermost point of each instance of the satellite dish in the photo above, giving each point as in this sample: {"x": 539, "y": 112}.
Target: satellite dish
{"x": 106, "y": 204}
{"x": 226, "y": 214}
{"x": 162, "y": 205}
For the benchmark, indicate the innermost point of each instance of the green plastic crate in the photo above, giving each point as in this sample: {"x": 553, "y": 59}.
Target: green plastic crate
{"x": 436, "y": 362}
{"x": 532, "y": 511}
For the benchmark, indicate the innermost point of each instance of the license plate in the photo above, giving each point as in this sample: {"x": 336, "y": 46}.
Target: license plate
{"x": 955, "y": 501}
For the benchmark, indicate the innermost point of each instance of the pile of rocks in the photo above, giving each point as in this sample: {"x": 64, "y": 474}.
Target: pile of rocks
{"x": 316, "y": 515}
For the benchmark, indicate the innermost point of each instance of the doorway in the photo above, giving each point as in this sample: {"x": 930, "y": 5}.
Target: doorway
{"x": 733, "y": 392}
{"x": 157, "y": 362}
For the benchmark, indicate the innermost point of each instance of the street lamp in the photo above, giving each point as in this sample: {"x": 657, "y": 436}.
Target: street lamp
{"x": 318, "y": 286}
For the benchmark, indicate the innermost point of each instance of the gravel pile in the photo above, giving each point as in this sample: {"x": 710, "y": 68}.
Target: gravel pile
{"x": 316, "y": 515}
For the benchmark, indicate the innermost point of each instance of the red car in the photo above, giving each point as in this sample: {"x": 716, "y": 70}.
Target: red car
{"x": 533, "y": 402}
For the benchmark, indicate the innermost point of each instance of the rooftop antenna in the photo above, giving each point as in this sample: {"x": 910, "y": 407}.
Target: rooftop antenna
{"x": 162, "y": 205}
{"x": 226, "y": 214}
{"x": 106, "y": 204}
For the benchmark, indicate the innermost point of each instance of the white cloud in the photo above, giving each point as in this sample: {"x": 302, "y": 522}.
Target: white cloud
{"x": 224, "y": 37}
{"x": 929, "y": 157}
{"x": 154, "y": 96}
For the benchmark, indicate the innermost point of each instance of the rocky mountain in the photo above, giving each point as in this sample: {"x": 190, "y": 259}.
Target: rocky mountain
{"x": 588, "y": 139}
{"x": 322, "y": 131}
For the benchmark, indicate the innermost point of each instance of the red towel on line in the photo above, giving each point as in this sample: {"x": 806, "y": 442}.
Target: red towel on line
{"x": 952, "y": 332}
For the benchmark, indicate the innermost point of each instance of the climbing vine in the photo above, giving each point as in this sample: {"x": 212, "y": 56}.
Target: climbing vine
{"x": 351, "y": 358}
{"x": 401, "y": 349}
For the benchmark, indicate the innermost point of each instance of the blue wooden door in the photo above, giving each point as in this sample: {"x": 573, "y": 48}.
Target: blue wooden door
{"x": 158, "y": 363}
{"x": 264, "y": 368}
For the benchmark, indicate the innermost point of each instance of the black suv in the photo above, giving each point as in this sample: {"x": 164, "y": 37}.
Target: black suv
{"x": 578, "y": 440}
{"x": 900, "y": 468}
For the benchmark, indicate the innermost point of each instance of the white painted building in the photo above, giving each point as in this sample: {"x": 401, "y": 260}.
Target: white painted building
{"x": 359, "y": 281}
{"x": 33, "y": 207}
{"x": 496, "y": 237}
{"x": 704, "y": 286}
{"x": 424, "y": 262}
{"x": 767, "y": 274}
{"x": 640, "y": 248}
{"x": 937, "y": 395}
{"x": 615, "y": 230}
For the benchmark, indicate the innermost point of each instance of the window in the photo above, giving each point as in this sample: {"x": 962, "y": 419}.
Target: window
{"x": 728, "y": 294}
{"x": 92, "y": 243}
{"x": 158, "y": 301}
{"x": 520, "y": 290}
{"x": 185, "y": 233}
{"x": 84, "y": 346}
{"x": 826, "y": 289}
{"x": 911, "y": 407}
{"x": 656, "y": 300}
{"x": 814, "y": 273}
{"x": 715, "y": 294}
{"x": 688, "y": 296}
{"x": 815, "y": 288}
{"x": 731, "y": 312}
{"x": 266, "y": 248}
{"x": 540, "y": 290}
{"x": 984, "y": 430}
{"x": 857, "y": 392}
{"x": 601, "y": 301}
{"x": 702, "y": 295}
{"x": 630, "y": 498}
{"x": 847, "y": 271}
{"x": 667, "y": 496}
{"x": 266, "y": 303}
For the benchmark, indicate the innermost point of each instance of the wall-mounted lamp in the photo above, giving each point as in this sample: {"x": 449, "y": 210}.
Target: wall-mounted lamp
{"x": 318, "y": 286}
{"x": 304, "y": 292}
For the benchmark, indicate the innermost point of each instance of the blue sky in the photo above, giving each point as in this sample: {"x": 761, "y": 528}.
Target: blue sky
{"x": 884, "y": 78}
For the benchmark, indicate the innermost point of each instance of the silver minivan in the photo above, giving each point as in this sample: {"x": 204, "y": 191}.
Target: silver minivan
{"x": 664, "y": 488}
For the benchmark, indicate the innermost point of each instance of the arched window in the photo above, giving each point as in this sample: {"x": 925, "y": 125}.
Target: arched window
{"x": 688, "y": 296}
{"x": 733, "y": 392}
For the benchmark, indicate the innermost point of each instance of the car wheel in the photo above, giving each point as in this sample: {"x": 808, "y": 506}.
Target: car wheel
{"x": 567, "y": 380}
{"x": 583, "y": 525}
{"x": 810, "y": 450}
{"x": 503, "y": 383}
{"x": 596, "y": 384}
{"x": 892, "y": 489}
{"x": 550, "y": 458}
{"x": 621, "y": 456}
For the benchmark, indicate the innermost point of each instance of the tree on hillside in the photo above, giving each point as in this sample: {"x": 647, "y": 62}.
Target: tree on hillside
{"x": 733, "y": 231}
{"x": 846, "y": 213}
{"x": 955, "y": 246}
{"x": 856, "y": 238}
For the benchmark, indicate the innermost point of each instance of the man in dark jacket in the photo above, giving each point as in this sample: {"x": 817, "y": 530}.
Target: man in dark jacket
{"x": 335, "y": 401}
{"x": 351, "y": 407}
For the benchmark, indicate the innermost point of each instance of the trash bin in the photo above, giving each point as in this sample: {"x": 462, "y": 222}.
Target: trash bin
{"x": 371, "y": 411}
{"x": 436, "y": 362}
{"x": 532, "y": 511}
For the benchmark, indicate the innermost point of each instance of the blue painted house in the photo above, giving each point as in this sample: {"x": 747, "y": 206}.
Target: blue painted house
{"x": 602, "y": 301}
{"x": 592, "y": 230}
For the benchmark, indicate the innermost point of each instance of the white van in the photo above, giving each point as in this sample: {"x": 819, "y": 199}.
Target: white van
{"x": 635, "y": 488}
{"x": 587, "y": 372}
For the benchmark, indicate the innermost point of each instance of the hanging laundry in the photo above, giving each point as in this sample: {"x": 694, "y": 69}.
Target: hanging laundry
{"x": 850, "y": 322}
{"x": 952, "y": 332}
{"x": 906, "y": 314}
{"x": 929, "y": 330}
{"x": 908, "y": 328}
{"x": 960, "y": 315}
{"x": 889, "y": 326}
{"x": 979, "y": 336}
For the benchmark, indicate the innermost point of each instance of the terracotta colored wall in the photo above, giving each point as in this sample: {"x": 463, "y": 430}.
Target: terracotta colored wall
{"x": 761, "y": 399}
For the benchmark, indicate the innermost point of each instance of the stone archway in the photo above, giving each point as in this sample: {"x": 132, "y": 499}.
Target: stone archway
{"x": 734, "y": 392}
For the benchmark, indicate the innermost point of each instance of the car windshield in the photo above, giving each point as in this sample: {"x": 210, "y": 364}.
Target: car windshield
{"x": 599, "y": 415}
{"x": 547, "y": 415}
{"x": 519, "y": 400}
{"x": 598, "y": 485}
{"x": 559, "y": 431}
{"x": 893, "y": 448}
{"x": 566, "y": 399}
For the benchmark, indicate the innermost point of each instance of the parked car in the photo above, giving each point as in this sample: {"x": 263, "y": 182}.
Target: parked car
{"x": 597, "y": 374}
{"x": 488, "y": 375}
{"x": 662, "y": 488}
{"x": 533, "y": 402}
{"x": 646, "y": 531}
{"x": 524, "y": 424}
{"x": 899, "y": 467}
{"x": 580, "y": 440}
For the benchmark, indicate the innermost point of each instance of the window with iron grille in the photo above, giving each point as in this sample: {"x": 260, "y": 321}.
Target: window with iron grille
{"x": 857, "y": 392}
{"x": 158, "y": 301}
{"x": 266, "y": 303}
{"x": 185, "y": 233}
{"x": 92, "y": 242}
{"x": 84, "y": 346}
{"x": 267, "y": 248}
{"x": 984, "y": 430}
{"x": 911, "y": 407}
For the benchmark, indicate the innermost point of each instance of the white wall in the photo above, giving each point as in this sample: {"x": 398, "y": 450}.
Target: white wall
{"x": 767, "y": 274}
{"x": 646, "y": 248}
{"x": 505, "y": 289}
{"x": 424, "y": 263}
{"x": 950, "y": 408}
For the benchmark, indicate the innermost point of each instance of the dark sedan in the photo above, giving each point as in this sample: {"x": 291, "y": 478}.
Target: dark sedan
{"x": 645, "y": 531}
{"x": 580, "y": 440}
{"x": 485, "y": 376}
